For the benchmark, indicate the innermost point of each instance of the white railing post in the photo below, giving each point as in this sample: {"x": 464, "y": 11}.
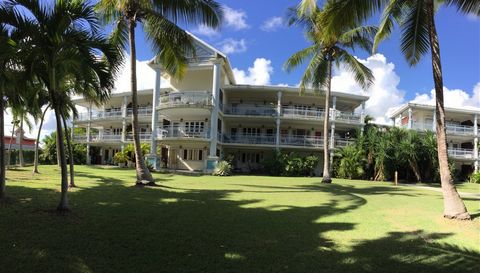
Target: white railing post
{"x": 475, "y": 142}
{"x": 409, "y": 118}
{"x": 279, "y": 113}
{"x": 217, "y": 75}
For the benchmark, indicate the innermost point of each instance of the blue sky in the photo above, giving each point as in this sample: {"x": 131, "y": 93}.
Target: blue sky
{"x": 459, "y": 40}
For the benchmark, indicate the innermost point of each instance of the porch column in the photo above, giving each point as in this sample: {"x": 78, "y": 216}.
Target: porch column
{"x": 475, "y": 141}
{"x": 362, "y": 117}
{"x": 409, "y": 118}
{"x": 279, "y": 113}
{"x": 217, "y": 75}
{"x": 124, "y": 122}
{"x": 152, "y": 157}
{"x": 89, "y": 124}
{"x": 332, "y": 130}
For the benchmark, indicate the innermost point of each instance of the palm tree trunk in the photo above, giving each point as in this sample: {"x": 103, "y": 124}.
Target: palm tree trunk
{"x": 326, "y": 124}
{"x": 9, "y": 156}
{"x": 20, "y": 148}
{"x": 416, "y": 170}
{"x": 2, "y": 149}
{"x": 70, "y": 153}
{"x": 453, "y": 204}
{"x": 143, "y": 174}
{"x": 37, "y": 143}
{"x": 63, "y": 205}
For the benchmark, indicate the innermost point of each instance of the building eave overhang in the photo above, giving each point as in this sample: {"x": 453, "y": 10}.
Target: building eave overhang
{"x": 403, "y": 108}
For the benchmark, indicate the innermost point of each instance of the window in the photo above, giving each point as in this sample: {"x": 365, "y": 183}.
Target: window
{"x": 251, "y": 131}
{"x": 251, "y": 157}
{"x": 193, "y": 154}
{"x": 194, "y": 126}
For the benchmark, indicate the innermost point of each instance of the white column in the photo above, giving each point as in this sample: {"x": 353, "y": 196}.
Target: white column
{"x": 362, "y": 116}
{"x": 279, "y": 112}
{"x": 409, "y": 118}
{"x": 217, "y": 67}
{"x": 89, "y": 125}
{"x": 332, "y": 126}
{"x": 434, "y": 122}
{"x": 155, "y": 104}
{"x": 475, "y": 141}
{"x": 124, "y": 121}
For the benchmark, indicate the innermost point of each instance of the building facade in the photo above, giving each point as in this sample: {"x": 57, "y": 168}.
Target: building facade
{"x": 192, "y": 123}
{"x": 461, "y": 128}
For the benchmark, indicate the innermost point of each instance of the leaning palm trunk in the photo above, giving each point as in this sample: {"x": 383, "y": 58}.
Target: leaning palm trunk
{"x": 63, "y": 205}
{"x": 453, "y": 204}
{"x": 143, "y": 174}
{"x": 2, "y": 150}
{"x": 416, "y": 170}
{"x": 326, "y": 124}
{"x": 20, "y": 148}
{"x": 37, "y": 143}
{"x": 9, "y": 156}
{"x": 70, "y": 153}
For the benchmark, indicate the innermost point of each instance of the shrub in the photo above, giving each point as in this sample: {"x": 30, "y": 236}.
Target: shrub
{"x": 291, "y": 165}
{"x": 352, "y": 163}
{"x": 224, "y": 168}
{"x": 474, "y": 178}
{"x": 120, "y": 157}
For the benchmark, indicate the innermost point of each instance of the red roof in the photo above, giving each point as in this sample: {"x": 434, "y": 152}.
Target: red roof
{"x": 25, "y": 141}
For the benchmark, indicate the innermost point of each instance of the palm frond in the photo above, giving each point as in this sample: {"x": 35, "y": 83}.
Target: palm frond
{"x": 362, "y": 74}
{"x": 361, "y": 36}
{"x": 415, "y": 38}
{"x": 394, "y": 11}
{"x": 299, "y": 58}
{"x": 465, "y": 6}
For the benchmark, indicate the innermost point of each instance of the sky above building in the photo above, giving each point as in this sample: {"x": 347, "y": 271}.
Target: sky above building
{"x": 257, "y": 42}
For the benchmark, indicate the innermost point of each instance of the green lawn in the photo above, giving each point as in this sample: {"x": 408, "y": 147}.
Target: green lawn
{"x": 232, "y": 224}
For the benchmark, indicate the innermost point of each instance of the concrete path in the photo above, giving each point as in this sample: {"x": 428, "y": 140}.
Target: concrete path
{"x": 462, "y": 194}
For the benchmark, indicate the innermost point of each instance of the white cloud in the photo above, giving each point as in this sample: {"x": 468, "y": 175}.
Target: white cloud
{"x": 231, "y": 46}
{"x": 236, "y": 19}
{"x": 455, "y": 98}
{"x": 258, "y": 74}
{"x": 272, "y": 24}
{"x": 206, "y": 31}
{"x": 49, "y": 125}
{"x": 384, "y": 93}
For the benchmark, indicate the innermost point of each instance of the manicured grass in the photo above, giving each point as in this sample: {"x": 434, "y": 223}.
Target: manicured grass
{"x": 461, "y": 187}
{"x": 229, "y": 224}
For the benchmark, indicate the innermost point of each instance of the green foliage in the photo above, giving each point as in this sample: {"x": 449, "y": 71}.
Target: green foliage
{"x": 223, "y": 168}
{"x": 351, "y": 162}
{"x": 130, "y": 149}
{"x": 291, "y": 164}
{"x": 49, "y": 150}
{"x": 121, "y": 157}
{"x": 474, "y": 178}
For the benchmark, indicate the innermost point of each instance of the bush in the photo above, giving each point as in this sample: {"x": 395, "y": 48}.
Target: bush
{"x": 352, "y": 163}
{"x": 120, "y": 158}
{"x": 224, "y": 168}
{"x": 474, "y": 178}
{"x": 291, "y": 165}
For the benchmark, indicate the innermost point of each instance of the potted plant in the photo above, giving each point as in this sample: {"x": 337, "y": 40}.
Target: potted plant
{"x": 121, "y": 159}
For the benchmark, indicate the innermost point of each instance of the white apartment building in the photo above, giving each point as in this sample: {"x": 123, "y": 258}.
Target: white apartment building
{"x": 194, "y": 122}
{"x": 461, "y": 127}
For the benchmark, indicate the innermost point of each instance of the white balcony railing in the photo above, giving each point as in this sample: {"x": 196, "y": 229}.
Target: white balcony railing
{"x": 250, "y": 110}
{"x": 142, "y": 111}
{"x": 304, "y": 141}
{"x": 181, "y": 132}
{"x": 186, "y": 99}
{"x": 249, "y": 139}
{"x": 144, "y": 137}
{"x": 461, "y": 153}
{"x": 290, "y": 112}
{"x": 452, "y": 129}
{"x": 348, "y": 117}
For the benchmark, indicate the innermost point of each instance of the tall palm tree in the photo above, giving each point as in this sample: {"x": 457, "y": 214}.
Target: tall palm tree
{"x": 63, "y": 43}
{"x": 329, "y": 46}
{"x": 419, "y": 36}
{"x": 159, "y": 20}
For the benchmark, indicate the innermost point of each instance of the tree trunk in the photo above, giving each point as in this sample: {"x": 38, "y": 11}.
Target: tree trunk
{"x": 63, "y": 205}
{"x": 20, "y": 148}
{"x": 37, "y": 143}
{"x": 2, "y": 148}
{"x": 70, "y": 153}
{"x": 143, "y": 174}
{"x": 326, "y": 124}
{"x": 416, "y": 171}
{"x": 9, "y": 156}
{"x": 453, "y": 204}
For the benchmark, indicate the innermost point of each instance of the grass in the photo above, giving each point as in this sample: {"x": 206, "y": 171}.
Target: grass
{"x": 229, "y": 224}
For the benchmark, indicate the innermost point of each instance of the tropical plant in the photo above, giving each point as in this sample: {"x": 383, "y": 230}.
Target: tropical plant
{"x": 121, "y": 158}
{"x": 351, "y": 162}
{"x": 62, "y": 44}
{"x": 171, "y": 43}
{"x": 474, "y": 178}
{"x": 328, "y": 46}
{"x": 419, "y": 36}
{"x": 223, "y": 168}
{"x": 49, "y": 149}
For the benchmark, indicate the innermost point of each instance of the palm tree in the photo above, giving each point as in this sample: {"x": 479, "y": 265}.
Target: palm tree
{"x": 419, "y": 36}
{"x": 37, "y": 142}
{"x": 62, "y": 44}
{"x": 328, "y": 46}
{"x": 159, "y": 20}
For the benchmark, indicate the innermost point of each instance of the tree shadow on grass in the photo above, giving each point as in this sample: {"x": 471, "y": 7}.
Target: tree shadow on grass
{"x": 116, "y": 228}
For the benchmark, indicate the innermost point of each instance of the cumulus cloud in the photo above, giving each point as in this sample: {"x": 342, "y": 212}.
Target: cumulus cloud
{"x": 384, "y": 93}
{"x": 231, "y": 46}
{"x": 455, "y": 98}
{"x": 235, "y": 19}
{"x": 206, "y": 31}
{"x": 258, "y": 74}
{"x": 272, "y": 24}
{"x": 49, "y": 125}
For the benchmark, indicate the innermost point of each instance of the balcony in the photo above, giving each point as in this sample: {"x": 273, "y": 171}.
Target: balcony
{"x": 176, "y": 132}
{"x": 144, "y": 137}
{"x": 98, "y": 138}
{"x": 250, "y": 139}
{"x": 452, "y": 129}
{"x": 250, "y": 110}
{"x": 461, "y": 153}
{"x": 348, "y": 117}
{"x": 145, "y": 111}
{"x": 289, "y": 112}
{"x": 186, "y": 99}
{"x": 303, "y": 141}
